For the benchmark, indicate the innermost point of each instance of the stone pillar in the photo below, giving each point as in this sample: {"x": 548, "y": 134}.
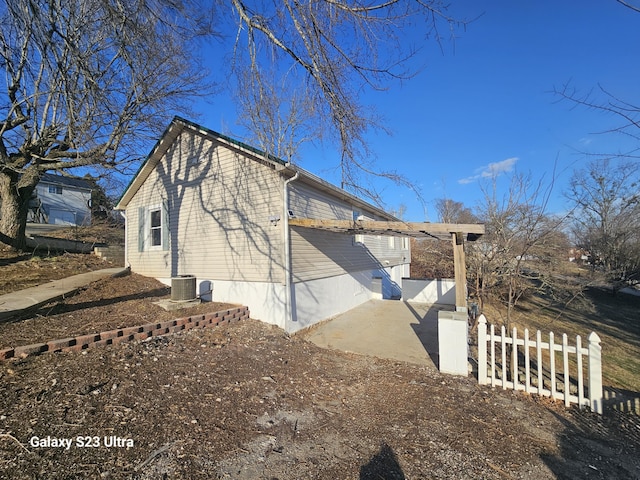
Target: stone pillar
{"x": 453, "y": 346}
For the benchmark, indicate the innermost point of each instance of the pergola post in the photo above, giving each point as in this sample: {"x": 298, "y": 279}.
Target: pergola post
{"x": 459, "y": 265}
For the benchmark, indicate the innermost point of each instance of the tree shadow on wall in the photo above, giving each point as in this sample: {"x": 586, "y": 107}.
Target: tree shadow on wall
{"x": 383, "y": 465}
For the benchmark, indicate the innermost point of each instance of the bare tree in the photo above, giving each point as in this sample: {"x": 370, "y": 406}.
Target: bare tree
{"x": 431, "y": 257}
{"x": 276, "y": 118}
{"x": 86, "y": 80}
{"x": 450, "y": 211}
{"x": 635, "y": 8}
{"x": 523, "y": 246}
{"x": 607, "y": 218}
{"x": 332, "y": 50}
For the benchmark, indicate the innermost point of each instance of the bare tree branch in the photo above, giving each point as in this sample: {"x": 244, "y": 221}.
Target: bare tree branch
{"x": 86, "y": 82}
{"x": 341, "y": 48}
{"x": 628, "y": 5}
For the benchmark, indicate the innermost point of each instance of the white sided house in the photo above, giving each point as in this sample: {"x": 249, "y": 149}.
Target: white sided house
{"x": 61, "y": 200}
{"x": 206, "y": 205}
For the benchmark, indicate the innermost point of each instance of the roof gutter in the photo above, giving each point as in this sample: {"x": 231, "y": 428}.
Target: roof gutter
{"x": 288, "y": 285}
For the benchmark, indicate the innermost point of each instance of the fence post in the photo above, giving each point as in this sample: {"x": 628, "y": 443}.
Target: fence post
{"x": 552, "y": 365}
{"x": 595, "y": 373}
{"x": 580, "y": 374}
{"x": 515, "y": 371}
{"x": 482, "y": 350}
{"x": 527, "y": 362}
{"x": 565, "y": 369}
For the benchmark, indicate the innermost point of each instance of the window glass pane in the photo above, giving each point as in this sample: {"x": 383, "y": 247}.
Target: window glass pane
{"x": 156, "y": 237}
{"x": 155, "y": 219}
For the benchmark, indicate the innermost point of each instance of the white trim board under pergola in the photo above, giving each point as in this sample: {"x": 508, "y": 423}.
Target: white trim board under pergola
{"x": 457, "y": 232}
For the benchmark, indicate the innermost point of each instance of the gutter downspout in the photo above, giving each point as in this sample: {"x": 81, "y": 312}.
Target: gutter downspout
{"x": 126, "y": 243}
{"x": 288, "y": 314}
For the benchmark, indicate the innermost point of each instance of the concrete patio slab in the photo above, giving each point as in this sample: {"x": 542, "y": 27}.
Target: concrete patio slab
{"x": 389, "y": 329}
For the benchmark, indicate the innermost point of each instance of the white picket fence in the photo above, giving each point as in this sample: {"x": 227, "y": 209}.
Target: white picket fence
{"x": 541, "y": 377}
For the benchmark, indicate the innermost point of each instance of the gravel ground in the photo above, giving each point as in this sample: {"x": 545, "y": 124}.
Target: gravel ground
{"x": 247, "y": 401}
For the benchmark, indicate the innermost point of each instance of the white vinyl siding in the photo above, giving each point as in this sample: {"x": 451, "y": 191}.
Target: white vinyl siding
{"x": 319, "y": 254}
{"x": 308, "y": 202}
{"x": 218, "y": 205}
{"x": 219, "y": 210}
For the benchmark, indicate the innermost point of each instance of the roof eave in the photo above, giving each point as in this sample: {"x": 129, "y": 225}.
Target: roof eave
{"x": 177, "y": 125}
{"x": 149, "y": 163}
{"x": 339, "y": 192}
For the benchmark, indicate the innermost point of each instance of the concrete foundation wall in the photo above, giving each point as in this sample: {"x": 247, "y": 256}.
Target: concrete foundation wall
{"x": 435, "y": 291}
{"x": 318, "y": 300}
{"x": 312, "y": 301}
{"x": 266, "y": 301}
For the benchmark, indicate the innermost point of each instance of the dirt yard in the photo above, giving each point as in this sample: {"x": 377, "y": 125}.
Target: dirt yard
{"x": 18, "y": 272}
{"x": 246, "y": 401}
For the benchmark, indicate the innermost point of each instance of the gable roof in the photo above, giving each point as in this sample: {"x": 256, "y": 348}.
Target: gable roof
{"x": 179, "y": 124}
{"x": 53, "y": 179}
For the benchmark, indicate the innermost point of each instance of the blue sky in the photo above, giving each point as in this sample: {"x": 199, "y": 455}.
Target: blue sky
{"x": 483, "y": 102}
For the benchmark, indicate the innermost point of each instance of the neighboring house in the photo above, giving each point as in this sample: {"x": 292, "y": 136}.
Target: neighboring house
{"x": 60, "y": 200}
{"x": 578, "y": 255}
{"x": 206, "y": 205}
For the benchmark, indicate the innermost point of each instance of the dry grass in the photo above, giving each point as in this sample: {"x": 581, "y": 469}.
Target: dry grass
{"x": 20, "y": 271}
{"x": 112, "y": 234}
{"x": 614, "y": 319}
{"x": 31, "y": 268}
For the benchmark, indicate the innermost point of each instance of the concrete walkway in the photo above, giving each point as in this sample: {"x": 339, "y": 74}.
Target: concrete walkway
{"x": 16, "y": 302}
{"x": 389, "y": 329}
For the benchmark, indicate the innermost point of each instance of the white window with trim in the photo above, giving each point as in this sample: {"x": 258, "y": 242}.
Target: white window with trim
{"x": 153, "y": 227}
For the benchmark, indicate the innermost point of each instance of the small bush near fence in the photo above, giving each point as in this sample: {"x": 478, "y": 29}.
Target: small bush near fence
{"x": 550, "y": 367}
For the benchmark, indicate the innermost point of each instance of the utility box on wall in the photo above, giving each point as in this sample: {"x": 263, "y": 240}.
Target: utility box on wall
{"x": 453, "y": 345}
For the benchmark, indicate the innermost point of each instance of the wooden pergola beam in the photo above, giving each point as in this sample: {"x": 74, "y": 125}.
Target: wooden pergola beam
{"x": 374, "y": 227}
{"x": 456, "y": 231}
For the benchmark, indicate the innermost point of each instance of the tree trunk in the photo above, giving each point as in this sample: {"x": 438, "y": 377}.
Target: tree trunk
{"x": 510, "y": 302}
{"x": 14, "y": 207}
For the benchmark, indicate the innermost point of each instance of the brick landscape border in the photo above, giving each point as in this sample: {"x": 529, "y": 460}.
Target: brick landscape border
{"x": 114, "y": 337}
